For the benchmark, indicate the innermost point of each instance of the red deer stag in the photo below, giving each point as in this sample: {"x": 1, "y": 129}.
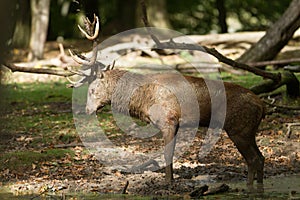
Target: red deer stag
{"x": 158, "y": 105}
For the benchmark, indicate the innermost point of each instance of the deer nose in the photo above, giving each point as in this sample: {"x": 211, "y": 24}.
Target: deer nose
{"x": 89, "y": 111}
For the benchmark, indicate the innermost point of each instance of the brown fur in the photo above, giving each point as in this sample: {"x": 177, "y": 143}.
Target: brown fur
{"x": 148, "y": 95}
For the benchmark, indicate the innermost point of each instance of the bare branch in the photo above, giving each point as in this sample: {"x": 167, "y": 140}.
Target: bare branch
{"x": 124, "y": 191}
{"x": 274, "y": 62}
{"x": 144, "y": 11}
{"x": 47, "y": 66}
{"x": 275, "y": 77}
{"x": 173, "y": 45}
{"x": 146, "y": 22}
{"x": 289, "y": 125}
{"x": 276, "y": 106}
{"x": 41, "y": 70}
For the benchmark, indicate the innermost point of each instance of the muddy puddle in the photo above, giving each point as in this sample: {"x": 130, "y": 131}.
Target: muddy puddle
{"x": 279, "y": 187}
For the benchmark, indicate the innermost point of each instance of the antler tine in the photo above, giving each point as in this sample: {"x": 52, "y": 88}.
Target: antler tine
{"x": 79, "y": 58}
{"x": 77, "y": 83}
{"x": 89, "y": 24}
{"x": 109, "y": 67}
{"x": 78, "y": 72}
{"x": 112, "y": 66}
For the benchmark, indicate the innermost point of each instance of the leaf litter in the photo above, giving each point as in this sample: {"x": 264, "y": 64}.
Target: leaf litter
{"x": 71, "y": 167}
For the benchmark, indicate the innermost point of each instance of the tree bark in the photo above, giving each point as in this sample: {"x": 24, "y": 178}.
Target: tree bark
{"x": 157, "y": 13}
{"x": 21, "y": 34}
{"x": 222, "y": 15}
{"x": 7, "y": 21}
{"x": 39, "y": 26}
{"x": 276, "y": 37}
{"x": 126, "y": 14}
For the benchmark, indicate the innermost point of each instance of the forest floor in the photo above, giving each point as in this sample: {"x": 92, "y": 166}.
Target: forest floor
{"x": 41, "y": 151}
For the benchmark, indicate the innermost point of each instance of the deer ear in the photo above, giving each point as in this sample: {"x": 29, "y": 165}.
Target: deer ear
{"x": 100, "y": 74}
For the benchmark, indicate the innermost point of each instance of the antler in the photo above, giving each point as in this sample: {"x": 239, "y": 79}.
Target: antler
{"x": 90, "y": 28}
{"x": 90, "y": 66}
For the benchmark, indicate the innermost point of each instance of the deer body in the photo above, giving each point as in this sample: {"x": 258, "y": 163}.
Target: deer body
{"x": 149, "y": 98}
{"x": 164, "y": 99}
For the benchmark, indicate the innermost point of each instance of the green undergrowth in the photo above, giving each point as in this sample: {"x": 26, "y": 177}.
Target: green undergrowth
{"x": 24, "y": 160}
{"x": 34, "y": 118}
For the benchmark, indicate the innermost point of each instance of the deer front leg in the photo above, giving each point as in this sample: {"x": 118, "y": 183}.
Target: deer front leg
{"x": 169, "y": 142}
{"x": 167, "y": 121}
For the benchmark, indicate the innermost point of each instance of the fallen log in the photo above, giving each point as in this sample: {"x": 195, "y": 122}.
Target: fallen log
{"x": 55, "y": 66}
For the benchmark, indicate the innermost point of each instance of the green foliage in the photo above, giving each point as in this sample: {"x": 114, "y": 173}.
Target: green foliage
{"x": 256, "y": 14}
{"x": 193, "y": 17}
{"x": 201, "y": 17}
{"x": 188, "y": 17}
{"x": 60, "y": 24}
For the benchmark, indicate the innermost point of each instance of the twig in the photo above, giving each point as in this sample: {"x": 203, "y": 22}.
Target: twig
{"x": 68, "y": 145}
{"x": 39, "y": 195}
{"x": 289, "y": 125}
{"x": 292, "y": 68}
{"x": 217, "y": 190}
{"x": 125, "y": 188}
{"x": 144, "y": 11}
{"x": 199, "y": 191}
{"x": 146, "y": 22}
{"x": 234, "y": 64}
{"x": 281, "y": 106}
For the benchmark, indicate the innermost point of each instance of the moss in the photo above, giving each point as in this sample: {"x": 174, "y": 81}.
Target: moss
{"x": 23, "y": 160}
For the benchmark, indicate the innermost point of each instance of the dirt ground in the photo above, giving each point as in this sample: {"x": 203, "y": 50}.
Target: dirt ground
{"x": 224, "y": 163}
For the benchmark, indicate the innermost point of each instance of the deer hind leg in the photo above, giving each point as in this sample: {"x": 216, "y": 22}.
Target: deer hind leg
{"x": 255, "y": 160}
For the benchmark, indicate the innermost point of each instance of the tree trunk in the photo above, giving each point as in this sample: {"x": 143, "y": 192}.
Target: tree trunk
{"x": 7, "y": 22}
{"x": 157, "y": 13}
{"x": 222, "y": 15}
{"x": 21, "y": 34}
{"x": 127, "y": 13}
{"x": 276, "y": 37}
{"x": 39, "y": 27}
